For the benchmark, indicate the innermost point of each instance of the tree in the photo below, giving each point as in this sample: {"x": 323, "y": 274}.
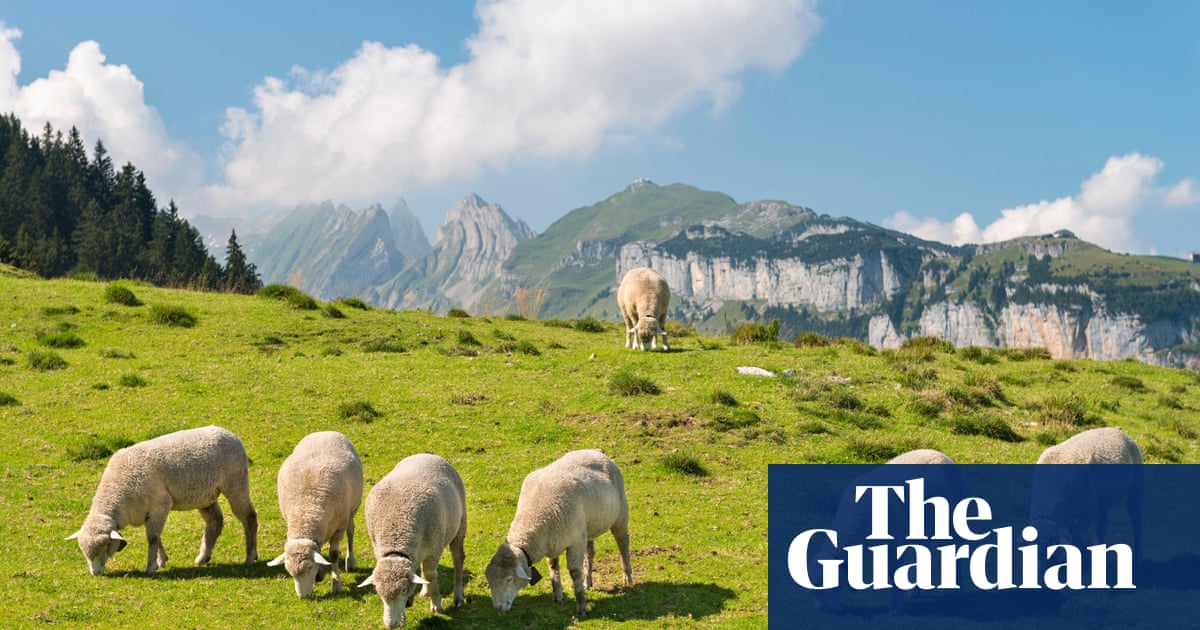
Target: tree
{"x": 240, "y": 275}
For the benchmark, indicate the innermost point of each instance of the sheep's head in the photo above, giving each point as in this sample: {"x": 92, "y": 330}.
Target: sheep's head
{"x": 98, "y": 545}
{"x": 646, "y": 328}
{"x": 303, "y": 560}
{"x": 507, "y": 573}
{"x": 396, "y": 582}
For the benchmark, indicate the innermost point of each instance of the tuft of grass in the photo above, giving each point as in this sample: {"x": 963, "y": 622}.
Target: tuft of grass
{"x": 357, "y": 411}
{"x": 985, "y": 425}
{"x": 116, "y": 293}
{"x": 67, "y": 309}
{"x": 353, "y": 302}
{"x": 811, "y": 340}
{"x": 590, "y": 325}
{"x": 291, "y": 295}
{"x": 1062, "y": 410}
{"x": 527, "y": 347}
{"x": 722, "y": 397}
{"x": 813, "y": 427}
{"x": 115, "y": 353}
{"x": 383, "y": 345}
{"x": 502, "y": 335}
{"x": 935, "y": 344}
{"x": 843, "y": 398}
{"x": 172, "y": 316}
{"x": 515, "y": 317}
{"x": 1130, "y": 383}
{"x": 676, "y": 328}
{"x": 61, "y": 340}
{"x": 1169, "y": 401}
{"x": 1181, "y": 428}
{"x": 332, "y": 351}
{"x": 97, "y": 447}
{"x": 466, "y": 338}
{"x": 684, "y": 464}
{"x": 1027, "y": 354}
{"x": 1162, "y": 449}
{"x": 913, "y": 376}
{"x": 468, "y": 398}
{"x": 979, "y": 355}
{"x": 8, "y": 400}
{"x": 875, "y": 449}
{"x": 131, "y": 380}
{"x": 755, "y": 332}
{"x": 45, "y": 360}
{"x": 729, "y": 419}
{"x": 625, "y": 383}
{"x": 458, "y": 313}
{"x": 332, "y": 312}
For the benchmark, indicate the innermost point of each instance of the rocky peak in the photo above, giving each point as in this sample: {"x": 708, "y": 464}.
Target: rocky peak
{"x": 639, "y": 184}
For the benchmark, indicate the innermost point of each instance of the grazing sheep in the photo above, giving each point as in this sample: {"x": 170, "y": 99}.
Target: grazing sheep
{"x": 412, "y": 515}
{"x": 852, "y": 520}
{"x": 643, "y": 298}
{"x": 185, "y": 470}
{"x": 563, "y": 506}
{"x": 320, "y": 488}
{"x": 1069, "y": 500}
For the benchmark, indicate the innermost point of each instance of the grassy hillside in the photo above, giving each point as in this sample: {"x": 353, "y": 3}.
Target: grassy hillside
{"x": 81, "y": 376}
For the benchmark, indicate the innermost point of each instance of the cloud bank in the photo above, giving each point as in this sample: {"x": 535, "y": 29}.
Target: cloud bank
{"x": 544, "y": 79}
{"x": 1103, "y": 212}
{"x": 105, "y": 102}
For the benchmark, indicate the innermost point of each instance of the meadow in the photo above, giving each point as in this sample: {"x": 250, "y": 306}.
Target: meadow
{"x": 88, "y": 367}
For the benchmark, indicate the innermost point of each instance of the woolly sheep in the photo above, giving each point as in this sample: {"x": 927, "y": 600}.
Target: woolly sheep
{"x": 185, "y": 470}
{"x": 643, "y": 298}
{"x": 563, "y": 506}
{"x": 1069, "y": 500}
{"x": 852, "y": 520}
{"x": 413, "y": 513}
{"x": 320, "y": 488}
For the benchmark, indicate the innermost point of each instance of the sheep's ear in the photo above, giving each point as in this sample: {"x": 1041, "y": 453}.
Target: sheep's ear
{"x": 115, "y": 535}
{"x": 416, "y": 579}
{"x": 522, "y": 574}
{"x": 537, "y": 577}
{"x": 319, "y": 559}
{"x": 278, "y": 560}
{"x": 74, "y": 536}
{"x": 370, "y": 581}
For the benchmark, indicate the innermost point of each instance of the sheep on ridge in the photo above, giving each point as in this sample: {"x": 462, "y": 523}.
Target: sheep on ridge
{"x": 320, "y": 488}
{"x": 143, "y": 483}
{"x": 413, "y": 513}
{"x": 1068, "y": 501}
{"x": 563, "y": 506}
{"x": 643, "y": 297}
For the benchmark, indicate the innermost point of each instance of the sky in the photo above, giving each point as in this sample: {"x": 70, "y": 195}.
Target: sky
{"x": 964, "y": 122}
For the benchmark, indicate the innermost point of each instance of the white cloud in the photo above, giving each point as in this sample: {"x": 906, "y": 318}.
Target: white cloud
{"x": 105, "y": 102}
{"x": 544, "y": 78}
{"x": 1103, "y": 212}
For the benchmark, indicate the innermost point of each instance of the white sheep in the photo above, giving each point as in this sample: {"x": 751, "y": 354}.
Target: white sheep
{"x": 413, "y": 513}
{"x": 320, "y": 487}
{"x": 643, "y": 297}
{"x": 185, "y": 470}
{"x": 563, "y": 506}
{"x": 1068, "y": 501}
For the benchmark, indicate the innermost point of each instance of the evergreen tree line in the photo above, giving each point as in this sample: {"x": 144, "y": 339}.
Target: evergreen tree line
{"x": 62, "y": 213}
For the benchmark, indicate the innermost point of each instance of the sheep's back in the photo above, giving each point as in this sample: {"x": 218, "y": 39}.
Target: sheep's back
{"x": 193, "y": 466}
{"x": 320, "y": 483}
{"x": 644, "y": 292}
{"x": 417, "y": 508}
{"x": 581, "y": 487}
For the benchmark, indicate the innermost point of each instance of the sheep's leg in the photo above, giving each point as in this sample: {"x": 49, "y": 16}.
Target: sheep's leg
{"x": 429, "y": 571}
{"x": 156, "y": 555}
{"x": 620, "y": 531}
{"x": 335, "y": 542}
{"x": 459, "y": 555}
{"x": 664, "y": 337}
{"x": 238, "y": 496}
{"x": 575, "y": 556}
{"x": 351, "y": 563}
{"x": 587, "y": 564}
{"x": 555, "y": 578}
{"x": 214, "y": 521}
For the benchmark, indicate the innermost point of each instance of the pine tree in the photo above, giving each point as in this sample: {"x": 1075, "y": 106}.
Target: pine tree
{"x": 240, "y": 276}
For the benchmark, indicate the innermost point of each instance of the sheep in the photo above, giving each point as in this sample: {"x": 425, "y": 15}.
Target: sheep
{"x": 643, "y": 298}
{"x": 320, "y": 487}
{"x": 1068, "y": 501}
{"x": 185, "y": 470}
{"x": 563, "y": 506}
{"x": 413, "y": 513}
{"x": 852, "y": 520}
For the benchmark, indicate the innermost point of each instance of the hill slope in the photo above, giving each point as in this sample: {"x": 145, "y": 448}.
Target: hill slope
{"x": 497, "y": 398}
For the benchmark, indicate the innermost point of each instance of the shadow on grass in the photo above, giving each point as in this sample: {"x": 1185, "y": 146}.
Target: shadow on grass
{"x": 654, "y": 600}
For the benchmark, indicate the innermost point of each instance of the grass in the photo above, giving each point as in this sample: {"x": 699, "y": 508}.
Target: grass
{"x": 172, "y": 316}
{"x": 495, "y": 416}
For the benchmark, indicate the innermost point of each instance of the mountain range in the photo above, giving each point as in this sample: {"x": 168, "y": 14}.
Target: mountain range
{"x": 728, "y": 262}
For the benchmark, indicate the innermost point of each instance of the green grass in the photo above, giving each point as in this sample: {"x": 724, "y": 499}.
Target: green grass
{"x": 699, "y": 542}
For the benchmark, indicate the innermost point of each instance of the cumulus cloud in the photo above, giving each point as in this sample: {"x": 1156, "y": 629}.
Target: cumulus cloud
{"x": 105, "y": 102}
{"x": 543, "y": 78}
{"x": 1103, "y": 212}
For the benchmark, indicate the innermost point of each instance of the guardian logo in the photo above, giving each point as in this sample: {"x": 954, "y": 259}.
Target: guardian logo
{"x": 853, "y": 546}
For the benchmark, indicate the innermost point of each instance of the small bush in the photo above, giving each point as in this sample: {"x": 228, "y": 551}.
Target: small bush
{"x": 353, "y": 302}
{"x": 96, "y": 447}
{"x": 357, "y": 411}
{"x": 172, "y": 316}
{"x": 625, "y": 383}
{"x": 7, "y": 400}
{"x": 527, "y": 347}
{"x": 383, "y": 345}
{"x": 755, "y": 332}
{"x": 466, "y": 338}
{"x": 332, "y": 312}
{"x": 44, "y": 360}
{"x": 723, "y": 398}
{"x": 120, "y": 294}
{"x": 62, "y": 340}
{"x": 114, "y": 353}
{"x": 291, "y": 295}
{"x": 988, "y": 426}
{"x": 811, "y": 340}
{"x": 1130, "y": 383}
{"x": 458, "y": 313}
{"x": 936, "y": 344}
{"x": 684, "y": 464}
{"x": 676, "y": 328}
{"x": 589, "y": 324}
{"x": 131, "y": 380}
{"x": 1062, "y": 410}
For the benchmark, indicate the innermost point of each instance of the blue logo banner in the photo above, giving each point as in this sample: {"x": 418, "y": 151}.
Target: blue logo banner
{"x": 1051, "y": 545}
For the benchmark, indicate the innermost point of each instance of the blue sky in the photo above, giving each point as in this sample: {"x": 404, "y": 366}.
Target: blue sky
{"x": 960, "y": 121}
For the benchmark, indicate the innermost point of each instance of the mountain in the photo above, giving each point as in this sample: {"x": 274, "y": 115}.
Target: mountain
{"x": 464, "y": 265}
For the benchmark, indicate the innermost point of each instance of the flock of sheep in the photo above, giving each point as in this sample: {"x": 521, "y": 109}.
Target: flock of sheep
{"x": 419, "y": 508}
{"x": 413, "y": 513}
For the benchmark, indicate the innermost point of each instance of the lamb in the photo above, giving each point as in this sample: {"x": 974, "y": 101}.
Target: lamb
{"x": 413, "y": 513}
{"x": 320, "y": 488}
{"x": 1068, "y": 501}
{"x": 643, "y": 298}
{"x": 563, "y": 506}
{"x": 185, "y": 470}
